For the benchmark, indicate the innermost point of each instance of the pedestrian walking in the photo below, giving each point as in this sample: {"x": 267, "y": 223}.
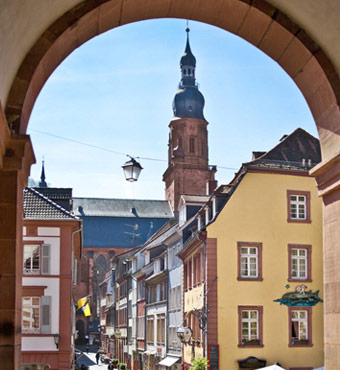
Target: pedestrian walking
{"x": 97, "y": 357}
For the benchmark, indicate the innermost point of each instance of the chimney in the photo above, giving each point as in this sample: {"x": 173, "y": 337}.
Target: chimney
{"x": 211, "y": 186}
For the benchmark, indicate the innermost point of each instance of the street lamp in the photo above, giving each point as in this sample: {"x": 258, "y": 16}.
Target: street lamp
{"x": 131, "y": 169}
{"x": 56, "y": 338}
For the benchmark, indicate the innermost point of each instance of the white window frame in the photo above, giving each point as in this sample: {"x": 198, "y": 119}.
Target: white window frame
{"x": 31, "y": 271}
{"x": 301, "y": 322}
{"x": 249, "y": 321}
{"x": 296, "y": 204}
{"x": 298, "y": 259}
{"x": 247, "y": 258}
{"x": 29, "y": 307}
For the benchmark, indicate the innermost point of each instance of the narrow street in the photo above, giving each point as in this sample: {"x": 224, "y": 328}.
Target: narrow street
{"x": 89, "y": 360}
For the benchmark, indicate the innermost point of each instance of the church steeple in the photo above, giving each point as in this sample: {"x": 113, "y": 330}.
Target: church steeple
{"x": 188, "y": 101}
{"x": 42, "y": 183}
{"x": 188, "y": 170}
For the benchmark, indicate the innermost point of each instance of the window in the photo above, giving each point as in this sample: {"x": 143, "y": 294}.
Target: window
{"x": 152, "y": 294}
{"x": 150, "y": 329}
{"x": 175, "y": 298}
{"x": 140, "y": 327}
{"x": 300, "y": 326}
{"x": 299, "y": 262}
{"x": 36, "y": 315}
{"x": 140, "y": 290}
{"x": 36, "y": 259}
{"x": 196, "y": 331}
{"x": 31, "y": 314}
{"x": 190, "y": 273}
{"x": 162, "y": 291}
{"x": 32, "y": 259}
{"x": 197, "y": 268}
{"x": 250, "y": 326}
{"x": 249, "y": 261}
{"x": 298, "y": 203}
{"x": 161, "y": 329}
{"x": 122, "y": 317}
{"x": 174, "y": 342}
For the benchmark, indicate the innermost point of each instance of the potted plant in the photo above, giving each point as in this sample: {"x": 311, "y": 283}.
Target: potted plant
{"x": 199, "y": 363}
{"x": 115, "y": 363}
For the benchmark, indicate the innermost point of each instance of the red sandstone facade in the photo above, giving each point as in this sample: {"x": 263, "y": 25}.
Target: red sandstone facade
{"x": 188, "y": 172}
{"x": 57, "y": 317}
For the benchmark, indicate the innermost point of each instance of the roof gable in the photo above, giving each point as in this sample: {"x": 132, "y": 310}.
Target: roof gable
{"x": 294, "y": 148}
{"x": 38, "y": 207}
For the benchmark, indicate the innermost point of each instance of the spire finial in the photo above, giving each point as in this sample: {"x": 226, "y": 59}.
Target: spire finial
{"x": 187, "y": 30}
{"x": 42, "y": 183}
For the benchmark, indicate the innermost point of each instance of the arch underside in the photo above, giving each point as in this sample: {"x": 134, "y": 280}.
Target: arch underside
{"x": 258, "y": 22}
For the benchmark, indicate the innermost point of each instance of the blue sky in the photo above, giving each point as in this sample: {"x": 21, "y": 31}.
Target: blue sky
{"x": 116, "y": 92}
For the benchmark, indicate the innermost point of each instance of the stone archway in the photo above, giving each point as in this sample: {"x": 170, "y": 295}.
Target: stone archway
{"x": 256, "y": 21}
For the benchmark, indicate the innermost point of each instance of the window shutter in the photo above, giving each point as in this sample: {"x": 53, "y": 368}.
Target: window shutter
{"x": 45, "y": 259}
{"x": 46, "y": 314}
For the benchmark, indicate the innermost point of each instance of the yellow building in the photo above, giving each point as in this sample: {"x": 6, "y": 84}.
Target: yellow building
{"x": 269, "y": 260}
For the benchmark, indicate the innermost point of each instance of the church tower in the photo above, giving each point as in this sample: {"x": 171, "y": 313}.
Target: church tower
{"x": 188, "y": 171}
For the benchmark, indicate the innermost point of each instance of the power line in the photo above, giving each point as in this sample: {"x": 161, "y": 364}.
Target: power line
{"x": 108, "y": 150}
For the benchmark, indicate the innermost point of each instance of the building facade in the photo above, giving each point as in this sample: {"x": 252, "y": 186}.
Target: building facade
{"x": 111, "y": 226}
{"x": 52, "y": 241}
{"x": 268, "y": 244}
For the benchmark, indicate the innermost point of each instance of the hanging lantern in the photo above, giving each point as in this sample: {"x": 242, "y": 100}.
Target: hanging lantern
{"x": 132, "y": 170}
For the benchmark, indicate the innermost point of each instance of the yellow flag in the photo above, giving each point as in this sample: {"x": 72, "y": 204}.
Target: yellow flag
{"x": 87, "y": 310}
{"x": 84, "y": 304}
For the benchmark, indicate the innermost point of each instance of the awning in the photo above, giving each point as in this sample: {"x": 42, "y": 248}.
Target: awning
{"x": 168, "y": 361}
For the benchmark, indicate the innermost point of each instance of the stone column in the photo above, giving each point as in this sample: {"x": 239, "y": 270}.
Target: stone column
{"x": 327, "y": 176}
{"x": 14, "y": 172}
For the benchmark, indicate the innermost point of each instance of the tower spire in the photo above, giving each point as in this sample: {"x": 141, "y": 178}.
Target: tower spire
{"x": 188, "y": 101}
{"x": 188, "y": 171}
{"x": 42, "y": 183}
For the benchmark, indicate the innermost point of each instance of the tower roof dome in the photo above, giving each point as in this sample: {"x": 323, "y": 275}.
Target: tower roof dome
{"x": 188, "y": 101}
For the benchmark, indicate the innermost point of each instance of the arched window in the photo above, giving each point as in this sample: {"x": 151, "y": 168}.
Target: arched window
{"x": 101, "y": 267}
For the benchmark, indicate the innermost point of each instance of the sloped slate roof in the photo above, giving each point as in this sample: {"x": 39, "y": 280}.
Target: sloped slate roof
{"x": 291, "y": 150}
{"x": 135, "y": 208}
{"x": 38, "y": 207}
